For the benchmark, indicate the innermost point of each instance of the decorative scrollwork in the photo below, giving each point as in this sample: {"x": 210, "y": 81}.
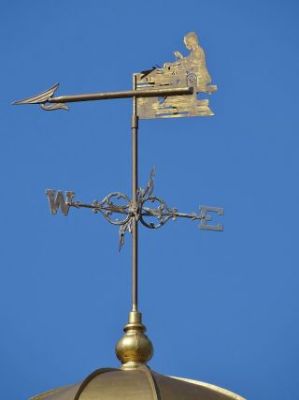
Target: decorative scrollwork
{"x": 119, "y": 210}
{"x": 144, "y": 194}
{"x": 108, "y": 207}
{"x": 160, "y": 213}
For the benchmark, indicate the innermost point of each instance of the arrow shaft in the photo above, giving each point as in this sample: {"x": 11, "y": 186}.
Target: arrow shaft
{"x": 121, "y": 95}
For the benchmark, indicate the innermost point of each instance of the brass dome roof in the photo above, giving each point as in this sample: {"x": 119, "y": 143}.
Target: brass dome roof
{"x": 135, "y": 380}
{"x": 137, "y": 383}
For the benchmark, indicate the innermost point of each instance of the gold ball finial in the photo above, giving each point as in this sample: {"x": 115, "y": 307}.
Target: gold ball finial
{"x": 134, "y": 347}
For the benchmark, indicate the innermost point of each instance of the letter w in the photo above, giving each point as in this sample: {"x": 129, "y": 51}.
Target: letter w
{"x": 57, "y": 200}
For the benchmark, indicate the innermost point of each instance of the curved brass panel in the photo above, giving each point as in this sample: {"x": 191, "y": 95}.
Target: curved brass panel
{"x": 124, "y": 384}
{"x": 61, "y": 393}
{"x": 180, "y": 388}
{"x": 135, "y": 384}
{"x": 214, "y": 388}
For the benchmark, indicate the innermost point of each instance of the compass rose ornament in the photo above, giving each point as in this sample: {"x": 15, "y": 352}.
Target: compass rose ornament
{"x": 117, "y": 208}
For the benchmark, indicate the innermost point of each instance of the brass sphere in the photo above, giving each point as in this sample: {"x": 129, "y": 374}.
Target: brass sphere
{"x": 134, "y": 346}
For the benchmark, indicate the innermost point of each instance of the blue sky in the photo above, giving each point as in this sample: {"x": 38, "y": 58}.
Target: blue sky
{"x": 221, "y": 308}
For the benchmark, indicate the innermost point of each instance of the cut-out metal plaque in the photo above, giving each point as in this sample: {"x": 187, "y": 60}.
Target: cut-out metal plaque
{"x": 191, "y": 71}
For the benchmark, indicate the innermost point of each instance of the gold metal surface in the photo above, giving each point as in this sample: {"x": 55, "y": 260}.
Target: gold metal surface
{"x": 134, "y": 384}
{"x": 180, "y": 388}
{"x": 213, "y": 388}
{"x": 140, "y": 383}
{"x": 185, "y": 71}
{"x": 61, "y": 393}
{"x": 134, "y": 347}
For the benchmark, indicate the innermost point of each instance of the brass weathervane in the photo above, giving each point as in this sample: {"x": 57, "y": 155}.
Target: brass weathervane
{"x": 169, "y": 91}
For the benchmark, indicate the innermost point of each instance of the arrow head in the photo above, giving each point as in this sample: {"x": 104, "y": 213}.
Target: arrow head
{"x": 40, "y": 98}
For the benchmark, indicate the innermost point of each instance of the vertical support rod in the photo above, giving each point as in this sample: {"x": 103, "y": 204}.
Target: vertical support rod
{"x": 134, "y": 129}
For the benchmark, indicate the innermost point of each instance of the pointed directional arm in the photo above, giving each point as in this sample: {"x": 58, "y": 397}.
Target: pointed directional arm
{"x": 49, "y": 103}
{"x": 43, "y": 99}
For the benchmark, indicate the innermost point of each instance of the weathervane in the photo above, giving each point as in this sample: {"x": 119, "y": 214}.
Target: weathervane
{"x": 160, "y": 92}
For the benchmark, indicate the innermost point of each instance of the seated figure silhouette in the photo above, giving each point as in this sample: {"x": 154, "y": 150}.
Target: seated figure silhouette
{"x": 184, "y": 71}
{"x": 195, "y": 62}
